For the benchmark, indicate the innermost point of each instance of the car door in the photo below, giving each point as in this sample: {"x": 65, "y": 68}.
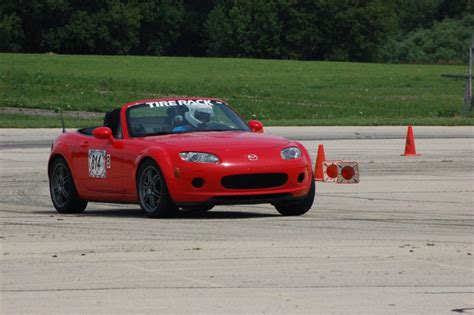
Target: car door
{"x": 100, "y": 164}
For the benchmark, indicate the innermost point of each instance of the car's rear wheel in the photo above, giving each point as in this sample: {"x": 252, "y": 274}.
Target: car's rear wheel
{"x": 62, "y": 189}
{"x": 197, "y": 208}
{"x": 297, "y": 207}
{"x": 153, "y": 194}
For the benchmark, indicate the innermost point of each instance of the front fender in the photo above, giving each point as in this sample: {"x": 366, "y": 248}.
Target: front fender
{"x": 305, "y": 155}
{"x": 164, "y": 158}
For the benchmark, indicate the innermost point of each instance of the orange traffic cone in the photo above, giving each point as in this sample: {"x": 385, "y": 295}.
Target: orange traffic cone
{"x": 410, "y": 149}
{"x": 318, "y": 168}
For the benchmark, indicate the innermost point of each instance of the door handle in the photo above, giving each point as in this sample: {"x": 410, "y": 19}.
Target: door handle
{"x": 85, "y": 144}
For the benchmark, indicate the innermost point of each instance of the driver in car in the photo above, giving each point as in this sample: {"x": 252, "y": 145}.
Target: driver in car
{"x": 195, "y": 118}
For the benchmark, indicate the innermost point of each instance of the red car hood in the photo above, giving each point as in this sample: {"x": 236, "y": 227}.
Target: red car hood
{"x": 220, "y": 140}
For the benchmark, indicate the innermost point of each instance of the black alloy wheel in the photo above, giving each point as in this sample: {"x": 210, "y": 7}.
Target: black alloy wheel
{"x": 153, "y": 192}
{"x": 62, "y": 189}
{"x": 298, "y": 207}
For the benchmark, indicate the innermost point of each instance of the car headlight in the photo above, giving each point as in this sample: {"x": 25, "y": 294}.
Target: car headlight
{"x": 290, "y": 153}
{"x": 199, "y": 157}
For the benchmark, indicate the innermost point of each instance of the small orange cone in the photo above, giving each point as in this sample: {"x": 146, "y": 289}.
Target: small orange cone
{"x": 318, "y": 168}
{"x": 410, "y": 149}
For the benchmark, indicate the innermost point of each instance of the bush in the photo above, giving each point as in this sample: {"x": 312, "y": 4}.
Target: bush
{"x": 446, "y": 42}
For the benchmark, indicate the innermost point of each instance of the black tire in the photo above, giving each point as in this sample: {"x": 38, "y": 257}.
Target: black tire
{"x": 298, "y": 207}
{"x": 197, "y": 208}
{"x": 62, "y": 189}
{"x": 152, "y": 192}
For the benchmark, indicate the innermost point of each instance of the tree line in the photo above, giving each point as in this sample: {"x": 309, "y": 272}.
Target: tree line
{"x": 406, "y": 31}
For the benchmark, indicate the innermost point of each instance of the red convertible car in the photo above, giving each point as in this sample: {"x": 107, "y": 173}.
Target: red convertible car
{"x": 171, "y": 153}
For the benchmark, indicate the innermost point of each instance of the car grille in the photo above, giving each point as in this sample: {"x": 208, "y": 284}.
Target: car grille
{"x": 254, "y": 181}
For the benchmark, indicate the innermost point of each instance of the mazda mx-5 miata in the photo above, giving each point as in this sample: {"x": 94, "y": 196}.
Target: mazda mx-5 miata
{"x": 171, "y": 153}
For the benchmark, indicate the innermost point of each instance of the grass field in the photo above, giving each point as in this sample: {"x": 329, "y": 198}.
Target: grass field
{"x": 276, "y": 92}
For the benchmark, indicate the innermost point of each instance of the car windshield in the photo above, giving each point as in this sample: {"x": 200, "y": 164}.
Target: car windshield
{"x": 179, "y": 116}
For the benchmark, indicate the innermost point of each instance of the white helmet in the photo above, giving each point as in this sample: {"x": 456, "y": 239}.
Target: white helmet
{"x": 199, "y": 114}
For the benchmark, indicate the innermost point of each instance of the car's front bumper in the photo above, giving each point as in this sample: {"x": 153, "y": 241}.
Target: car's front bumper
{"x": 212, "y": 191}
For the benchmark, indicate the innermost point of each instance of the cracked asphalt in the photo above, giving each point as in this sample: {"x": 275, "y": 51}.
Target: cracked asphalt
{"x": 401, "y": 241}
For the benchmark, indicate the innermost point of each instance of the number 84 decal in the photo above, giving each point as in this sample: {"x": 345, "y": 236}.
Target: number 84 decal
{"x": 99, "y": 161}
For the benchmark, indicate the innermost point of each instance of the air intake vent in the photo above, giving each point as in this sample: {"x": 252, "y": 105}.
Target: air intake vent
{"x": 254, "y": 181}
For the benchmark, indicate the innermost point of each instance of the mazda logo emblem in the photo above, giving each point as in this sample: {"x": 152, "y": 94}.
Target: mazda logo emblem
{"x": 252, "y": 157}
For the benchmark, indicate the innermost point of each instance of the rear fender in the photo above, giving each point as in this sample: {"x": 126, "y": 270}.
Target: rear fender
{"x": 60, "y": 149}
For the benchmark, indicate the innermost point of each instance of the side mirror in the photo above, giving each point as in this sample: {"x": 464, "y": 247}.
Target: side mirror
{"x": 255, "y": 126}
{"x": 102, "y": 133}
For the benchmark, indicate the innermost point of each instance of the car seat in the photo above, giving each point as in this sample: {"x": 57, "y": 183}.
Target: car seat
{"x": 112, "y": 120}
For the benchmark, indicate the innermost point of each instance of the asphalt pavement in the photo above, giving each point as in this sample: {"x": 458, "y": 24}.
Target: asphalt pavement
{"x": 400, "y": 241}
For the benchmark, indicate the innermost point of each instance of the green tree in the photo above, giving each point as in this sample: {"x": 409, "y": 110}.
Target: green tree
{"x": 307, "y": 29}
{"x": 112, "y": 27}
{"x": 455, "y": 8}
{"x": 11, "y": 33}
{"x": 445, "y": 42}
{"x": 31, "y": 14}
{"x": 352, "y": 30}
{"x": 219, "y": 31}
{"x": 303, "y": 29}
{"x": 119, "y": 27}
{"x": 356, "y": 28}
{"x": 191, "y": 39}
{"x": 159, "y": 26}
{"x": 246, "y": 28}
{"x": 415, "y": 14}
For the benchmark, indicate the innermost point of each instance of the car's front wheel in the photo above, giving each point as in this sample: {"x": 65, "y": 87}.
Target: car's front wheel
{"x": 62, "y": 189}
{"x": 297, "y": 207}
{"x": 153, "y": 194}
